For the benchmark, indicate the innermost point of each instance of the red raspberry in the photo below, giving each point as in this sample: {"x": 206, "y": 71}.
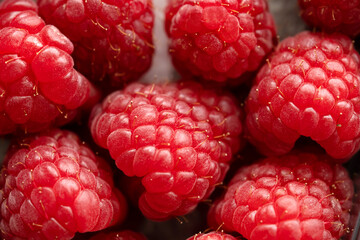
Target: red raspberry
{"x": 219, "y": 39}
{"x": 212, "y": 236}
{"x": 121, "y": 235}
{"x": 332, "y": 16}
{"x": 310, "y": 87}
{"x": 38, "y": 85}
{"x": 110, "y": 37}
{"x": 178, "y": 138}
{"x": 296, "y": 196}
{"x": 53, "y": 186}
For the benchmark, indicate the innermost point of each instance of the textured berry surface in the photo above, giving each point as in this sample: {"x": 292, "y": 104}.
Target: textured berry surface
{"x": 297, "y": 196}
{"x": 53, "y": 186}
{"x": 310, "y": 87}
{"x": 212, "y": 236}
{"x": 111, "y": 38}
{"x": 178, "y": 138}
{"x": 121, "y": 235}
{"x": 332, "y": 16}
{"x": 38, "y": 84}
{"x": 221, "y": 39}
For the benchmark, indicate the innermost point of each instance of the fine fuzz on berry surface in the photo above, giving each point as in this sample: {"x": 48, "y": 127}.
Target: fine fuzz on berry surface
{"x": 178, "y": 138}
{"x": 296, "y": 196}
{"x": 212, "y": 236}
{"x": 219, "y": 40}
{"x": 332, "y": 16}
{"x": 111, "y": 38}
{"x": 310, "y": 87}
{"x": 121, "y": 235}
{"x": 38, "y": 84}
{"x": 53, "y": 186}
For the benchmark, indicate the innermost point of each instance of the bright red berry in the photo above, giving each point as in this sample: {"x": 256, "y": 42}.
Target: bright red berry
{"x": 53, "y": 186}
{"x": 297, "y": 196}
{"x": 212, "y": 236}
{"x": 178, "y": 138}
{"x": 111, "y": 38}
{"x": 219, "y": 39}
{"x": 332, "y": 16}
{"x": 120, "y": 235}
{"x": 38, "y": 85}
{"x": 310, "y": 87}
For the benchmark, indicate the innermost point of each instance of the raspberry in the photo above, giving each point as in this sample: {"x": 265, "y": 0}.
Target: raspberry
{"x": 332, "y": 16}
{"x": 178, "y": 138}
{"x": 212, "y": 236}
{"x": 121, "y": 235}
{"x": 38, "y": 85}
{"x": 53, "y": 186}
{"x": 310, "y": 87}
{"x": 219, "y": 40}
{"x": 296, "y": 196}
{"x": 111, "y": 38}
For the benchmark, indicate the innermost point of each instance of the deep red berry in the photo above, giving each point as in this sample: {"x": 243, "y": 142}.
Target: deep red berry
{"x": 120, "y": 235}
{"x": 332, "y": 16}
{"x": 178, "y": 138}
{"x": 38, "y": 84}
{"x": 111, "y": 38}
{"x": 53, "y": 186}
{"x": 219, "y": 40}
{"x": 296, "y": 196}
{"x": 212, "y": 236}
{"x": 310, "y": 87}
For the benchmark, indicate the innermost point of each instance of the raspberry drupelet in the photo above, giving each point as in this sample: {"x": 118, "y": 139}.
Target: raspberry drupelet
{"x": 219, "y": 40}
{"x": 332, "y": 16}
{"x": 111, "y": 38}
{"x": 310, "y": 87}
{"x": 38, "y": 85}
{"x": 178, "y": 138}
{"x": 295, "y": 197}
{"x": 53, "y": 186}
{"x": 212, "y": 236}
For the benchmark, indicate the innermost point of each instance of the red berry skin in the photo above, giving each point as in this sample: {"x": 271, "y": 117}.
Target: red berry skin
{"x": 120, "y": 235}
{"x": 39, "y": 87}
{"x": 311, "y": 88}
{"x": 332, "y": 16}
{"x": 53, "y": 186}
{"x": 212, "y": 236}
{"x": 219, "y": 40}
{"x": 177, "y": 138}
{"x": 296, "y": 196}
{"x": 111, "y": 38}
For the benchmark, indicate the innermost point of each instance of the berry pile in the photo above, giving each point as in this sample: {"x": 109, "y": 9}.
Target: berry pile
{"x": 271, "y": 158}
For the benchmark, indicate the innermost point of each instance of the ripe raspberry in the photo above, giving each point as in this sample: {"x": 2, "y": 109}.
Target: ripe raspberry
{"x": 219, "y": 40}
{"x": 310, "y": 87}
{"x": 212, "y": 236}
{"x": 296, "y": 196}
{"x": 121, "y": 235}
{"x": 332, "y": 16}
{"x": 178, "y": 138}
{"x": 38, "y": 85}
{"x": 110, "y": 37}
{"x": 53, "y": 186}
